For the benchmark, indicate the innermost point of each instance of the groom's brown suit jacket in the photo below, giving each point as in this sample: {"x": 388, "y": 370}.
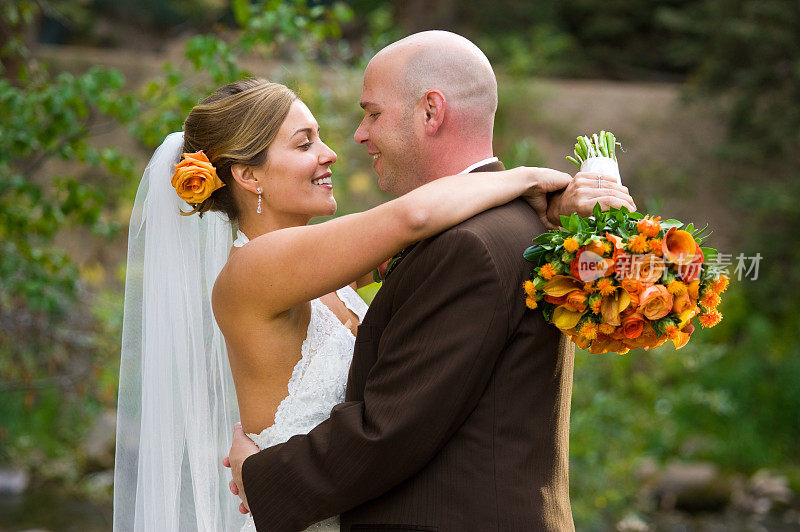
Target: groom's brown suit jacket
{"x": 457, "y": 408}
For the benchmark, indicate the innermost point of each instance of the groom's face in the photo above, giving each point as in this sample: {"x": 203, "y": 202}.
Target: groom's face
{"x": 387, "y": 130}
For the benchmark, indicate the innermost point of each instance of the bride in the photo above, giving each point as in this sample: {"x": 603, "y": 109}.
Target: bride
{"x": 283, "y": 294}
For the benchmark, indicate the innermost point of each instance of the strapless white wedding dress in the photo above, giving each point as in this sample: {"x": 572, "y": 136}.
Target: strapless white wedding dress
{"x": 318, "y": 380}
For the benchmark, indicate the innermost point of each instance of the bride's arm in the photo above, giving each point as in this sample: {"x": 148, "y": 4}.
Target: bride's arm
{"x": 283, "y": 268}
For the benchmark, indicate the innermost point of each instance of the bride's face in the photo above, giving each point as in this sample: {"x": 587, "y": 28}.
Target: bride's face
{"x": 296, "y": 179}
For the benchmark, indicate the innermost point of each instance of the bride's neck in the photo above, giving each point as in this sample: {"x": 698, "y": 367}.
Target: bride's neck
{"x": 254, "y": 225}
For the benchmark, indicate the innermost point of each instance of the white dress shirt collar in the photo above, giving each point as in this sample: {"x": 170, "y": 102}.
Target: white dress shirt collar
{"x": 472, "y": 167}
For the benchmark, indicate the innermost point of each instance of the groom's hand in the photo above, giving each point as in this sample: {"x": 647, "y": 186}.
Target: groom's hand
{"x": 583, "y": 192}
{"x": 241, "y": 448}
{"x": 547, "y": 181}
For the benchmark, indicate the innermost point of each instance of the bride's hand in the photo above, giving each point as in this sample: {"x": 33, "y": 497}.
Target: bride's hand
{"x": 583, "y": 192}
{"x": 545, "y": 181}
{"x": 242, "y": 447}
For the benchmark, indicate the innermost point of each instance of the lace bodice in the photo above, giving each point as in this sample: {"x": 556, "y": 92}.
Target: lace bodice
{"x": 318, "y": 380}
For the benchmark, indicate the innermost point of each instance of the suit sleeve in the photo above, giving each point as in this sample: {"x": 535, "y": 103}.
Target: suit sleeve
{"x": 434, "y": 361}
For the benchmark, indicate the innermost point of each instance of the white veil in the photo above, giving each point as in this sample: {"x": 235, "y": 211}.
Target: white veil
{"x": 177, "y": 403}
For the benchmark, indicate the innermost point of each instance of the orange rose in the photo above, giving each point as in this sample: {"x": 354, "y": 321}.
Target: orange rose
{"x": 576, "y": 301}
{"x": 678, "y": 246}
{"x": 649, "y": 226}
{"x": 655, "y": 302}
{"x": 646, "y": 339}
{"x": 632, "y": 325}
{"x": 681, "y": 303}
{"x": 195, "y": 178}
{"x": 648, "y": 268}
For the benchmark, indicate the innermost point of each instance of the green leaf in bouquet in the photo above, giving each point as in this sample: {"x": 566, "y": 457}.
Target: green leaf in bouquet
{"x": 635, "y": 215}
{"x": 690, "y": 228}
{"x": 544, "y": 238}
{"x": 597, "y": 211}
{"x": 573, "y": 223}
{"x": 709, "y": 254}
{"x": 666, "y": 225}
{"x": 564, "y": 220}
{"x": 539, "y": 282}
{"x": 535, "y": 254}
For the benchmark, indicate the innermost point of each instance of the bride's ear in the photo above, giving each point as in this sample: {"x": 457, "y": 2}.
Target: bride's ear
{"x": 245, "y": 176}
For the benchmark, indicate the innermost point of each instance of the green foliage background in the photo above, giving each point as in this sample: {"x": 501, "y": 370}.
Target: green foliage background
{"x": 730, "y": 397}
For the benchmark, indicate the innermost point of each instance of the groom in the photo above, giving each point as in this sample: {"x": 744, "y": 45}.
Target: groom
{"x": 457, "y": 408}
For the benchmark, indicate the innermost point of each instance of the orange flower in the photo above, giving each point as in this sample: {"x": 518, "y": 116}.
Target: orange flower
{"x": 655, "y": 302}
{"x": 678, "y": 246}
{"x": 694, "y": 290}
{"x": 655, "y": 246}
{"x": 571, "y": 245}
{"x": 710, "y": 318}
{"x": 606, "y": 328}
{"x": 631, "y": 285}
{"x": 710, "y": 299}
{"x": 195, "y": 178}
{"x": 646, "y": 339}
{"x": 576, "y": 300}
{"x": 672, "y": 331}
{"x": 595, "y": 246}
{"x": 530, "y": 303}
{"x": 649, "y": 226}
{"x": 681, "y": 339}
{"x": 681, "y": 303}
{"x": 547, "y": 271}
{"x": 529, "y": 287}
{"x": 676, "y": 288}
{"x": 686, "y": 316}
{"x": 589, "y": 287}
{"x": 648, "y": 268}
{"x": 614, "y": 304}
{"x": 595, "y": 306}
{"x": 691, "y": 271}
{"x": 565, "y": 319}
{"x": 561, "y": 285}
{"x": 605, "y": 286}
{"x": 638, "y": 244}
{"x": 633, "y": 325}
{"x": 588, "y": 331}
{"x": 720, "y": 284}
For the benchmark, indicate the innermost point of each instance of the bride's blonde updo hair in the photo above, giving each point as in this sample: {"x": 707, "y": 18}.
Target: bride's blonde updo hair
{"x": 235, "y": 125}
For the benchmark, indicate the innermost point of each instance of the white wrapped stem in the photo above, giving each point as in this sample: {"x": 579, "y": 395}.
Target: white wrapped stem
{"x": 605, "y": 166}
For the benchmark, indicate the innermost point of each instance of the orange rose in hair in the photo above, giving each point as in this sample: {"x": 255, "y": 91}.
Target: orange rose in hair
{"x": 195, "y": 178}
{"x": 655, "y": 302}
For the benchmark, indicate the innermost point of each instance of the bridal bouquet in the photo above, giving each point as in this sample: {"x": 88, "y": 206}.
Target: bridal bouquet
{"x": 619, "y": 280}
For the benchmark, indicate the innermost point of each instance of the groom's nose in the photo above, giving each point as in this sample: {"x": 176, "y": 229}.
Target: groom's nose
{"x": 360, "y": 135}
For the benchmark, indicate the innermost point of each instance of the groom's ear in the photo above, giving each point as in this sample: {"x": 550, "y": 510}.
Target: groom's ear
{"x": 434, "y": 105}
{"x": 245, "y": 176}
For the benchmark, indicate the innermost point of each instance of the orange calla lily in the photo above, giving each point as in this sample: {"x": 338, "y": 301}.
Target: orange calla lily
{"x": 563, "y": 318}
{"x": 561, "y": 285}
{"x": 678, "y": 246}
{"x": 613, "y": 304}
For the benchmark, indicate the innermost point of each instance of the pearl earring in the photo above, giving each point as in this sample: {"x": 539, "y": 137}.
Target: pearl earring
{"x": 258, "y": 209}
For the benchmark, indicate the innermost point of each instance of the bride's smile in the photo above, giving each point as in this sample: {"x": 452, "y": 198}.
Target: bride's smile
{"x": 296, "y": 178}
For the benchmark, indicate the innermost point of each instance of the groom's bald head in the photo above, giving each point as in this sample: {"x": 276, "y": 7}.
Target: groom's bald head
{"x": 450, "y": 63}
{"x": 429, "y": 102}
